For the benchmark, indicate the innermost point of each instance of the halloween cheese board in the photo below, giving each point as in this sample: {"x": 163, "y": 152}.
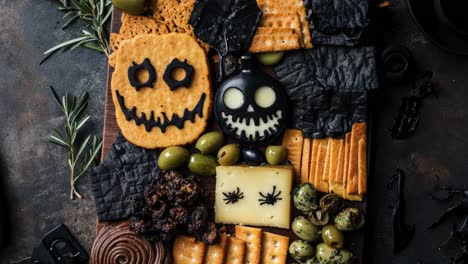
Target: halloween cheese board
{"x": 239, "y": 194}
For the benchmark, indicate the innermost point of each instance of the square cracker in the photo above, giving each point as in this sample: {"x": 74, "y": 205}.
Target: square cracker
{"x": 274, "y": 248}
{"x": 305, "y": 164}
{"x": 292, "y": 141}
{"x": 289, "y": 7}
{"x": 253, "y": 239}
{"x": 215, "y": 253}
{"x": 236, "y": 251}
{"x": 188, "y": 250}
{"x": 274, "y": 39}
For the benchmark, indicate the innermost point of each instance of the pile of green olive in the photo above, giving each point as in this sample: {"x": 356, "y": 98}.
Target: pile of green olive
{"x": 321, "y": 240}
{"x": 204, "y": 161}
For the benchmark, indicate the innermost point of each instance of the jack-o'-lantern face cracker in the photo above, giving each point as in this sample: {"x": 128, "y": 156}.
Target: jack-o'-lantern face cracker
{"x": 161, "y": 90}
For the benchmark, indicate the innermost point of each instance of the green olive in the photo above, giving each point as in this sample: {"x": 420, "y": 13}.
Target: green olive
{"x": 313, "y": 260}
{"x": 173, "y": 158}
{"x": 301, "y": 250}
{"x": 275, "y": 155}
{"x": 202, "y": 164}
{"x": 229, "y": 155}
{"x": 210, "y": 142}
{"x": 304, "y": 229}
{"x": 270, "y": 58}
{"x": 342, "y": 257}
{"x": 324, "y": 253}
{"x": 305, "y": 197}
{"x": 349, "y": 219}
{"x": 332, "y": 236}
{"x": 134, "y": 7}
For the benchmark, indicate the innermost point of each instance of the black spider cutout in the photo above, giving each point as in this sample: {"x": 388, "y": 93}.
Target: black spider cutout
{"x": 173, "y": 84}
{"x": 233, "y": 197}
{"x": 270, "y": 198}
{"x": 132, "y": 71}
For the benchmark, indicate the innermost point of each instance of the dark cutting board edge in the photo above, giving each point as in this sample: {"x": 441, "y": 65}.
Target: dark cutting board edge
{"x": 110, "y": 130}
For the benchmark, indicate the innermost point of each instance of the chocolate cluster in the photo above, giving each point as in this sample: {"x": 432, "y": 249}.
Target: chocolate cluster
{"x": 173, "y": 204}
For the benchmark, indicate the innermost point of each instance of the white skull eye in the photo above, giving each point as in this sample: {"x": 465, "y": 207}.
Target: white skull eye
{"x": 265, "y": 96}
{"x": 233, "y": 98}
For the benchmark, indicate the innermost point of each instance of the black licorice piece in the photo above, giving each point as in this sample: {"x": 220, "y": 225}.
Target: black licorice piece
{"x": 328, "y": 88}
{"x": 337, "y": 22}
{"x": 227, "y": 26}
{"x": 402, "y": 232}
{"x": 132, "y": 72}
{"x": 122, "y": 177}
{"x": 171, "y": 82}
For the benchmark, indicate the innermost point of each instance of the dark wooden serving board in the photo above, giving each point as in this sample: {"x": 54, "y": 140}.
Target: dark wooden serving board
{"x": 354, "y": 240}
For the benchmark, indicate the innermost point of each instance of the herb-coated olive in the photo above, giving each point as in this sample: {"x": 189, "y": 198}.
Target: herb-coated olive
{"x": 202, "y": 164}
{"x": 342, "y": 257}
{"x": 172, "y": 158}
{"x": 332, "y": 236}
{"x": 229, "y": 155}
{"x": 252, "y": 156}
{"x": 275, "y": 154}
{"x": 324, "y": 253}
{"x": 135, "y": 7}
{"x": 313, "y": 260}
{"x": 210, "y": 142}
{"x": 270, "y": 58}
{"x": 349, "y": 219}
{"x": 318, "y": 217}
{"x": 304, "y": 229}
{"x": 301, "y": 250}
{"x": 331, "y": 203}
{"x": 305, "y": 197}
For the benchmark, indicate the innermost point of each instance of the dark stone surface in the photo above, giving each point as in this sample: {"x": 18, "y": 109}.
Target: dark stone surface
{"x": 34, "y": 174}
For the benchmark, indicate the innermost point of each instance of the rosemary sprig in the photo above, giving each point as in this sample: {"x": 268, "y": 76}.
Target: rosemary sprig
{"x": 93, "y": 14}
{"x": 80, "y": 155}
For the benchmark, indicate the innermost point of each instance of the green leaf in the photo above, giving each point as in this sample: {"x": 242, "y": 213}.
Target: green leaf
{"x": 84, "y": 144}
{"x": 56, "y": 97}
{"x": 90, "y": 160}
{"x": 64, "y": 44}
{"x": 82, "y": 122}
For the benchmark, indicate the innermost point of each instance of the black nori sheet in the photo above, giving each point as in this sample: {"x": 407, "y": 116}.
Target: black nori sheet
{"x": 328, "y": 88}
{"x": 237, "y": 20}
{"x": 122, "y": 177}
{"x": 337, "y": 22}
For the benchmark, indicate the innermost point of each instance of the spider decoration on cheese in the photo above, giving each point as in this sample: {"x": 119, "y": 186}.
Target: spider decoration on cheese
{"x": 251, "y": 106}
{"x": 162, "y": 95}
{"x": 233, "y": 197}
{"x": 270, "y": 198}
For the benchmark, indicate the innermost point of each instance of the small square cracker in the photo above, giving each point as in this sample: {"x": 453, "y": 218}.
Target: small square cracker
{"x": 236, "y": 251}
{"x": 253, "y": 238}
{"x": 188, "y": 250}
{"x": 215, "y": 253}
{"x": 274, "y": 248}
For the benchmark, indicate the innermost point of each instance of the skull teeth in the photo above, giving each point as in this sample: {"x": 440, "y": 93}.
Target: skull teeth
{"x": 251, "y": 128}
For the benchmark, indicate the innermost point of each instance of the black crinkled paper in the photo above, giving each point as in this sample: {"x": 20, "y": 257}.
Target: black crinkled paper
{"x": 236, "y": 20}
{"x": 122, "y": 176}
{"x": 337, "y": 22}
{"x": 328, "y": 88}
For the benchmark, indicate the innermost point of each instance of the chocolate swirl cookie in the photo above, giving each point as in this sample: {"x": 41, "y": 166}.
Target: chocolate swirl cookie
{"x": 117, "y": 244}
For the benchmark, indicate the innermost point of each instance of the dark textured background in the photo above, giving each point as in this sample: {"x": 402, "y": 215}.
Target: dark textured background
{"x": 34, "y": 175}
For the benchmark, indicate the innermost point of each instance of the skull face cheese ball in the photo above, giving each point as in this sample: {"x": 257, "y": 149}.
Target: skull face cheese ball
{"x": 251, "y": 106}
{"x": 161, "y": 90}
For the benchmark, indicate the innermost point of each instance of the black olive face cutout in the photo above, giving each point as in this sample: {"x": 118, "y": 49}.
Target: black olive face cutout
{"x": 132, "y": 72}
{"x": 251, "y": 106}
{"x": 170, "y": 81}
